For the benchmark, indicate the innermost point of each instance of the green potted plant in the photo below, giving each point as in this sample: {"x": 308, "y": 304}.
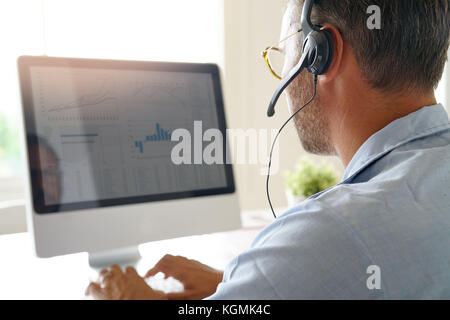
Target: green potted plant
{"x": 307, "y": 179}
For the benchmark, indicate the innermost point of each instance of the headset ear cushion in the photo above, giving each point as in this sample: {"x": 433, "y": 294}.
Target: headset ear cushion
{"x": 319, "y": 47}
{"x": 330, "y": 46}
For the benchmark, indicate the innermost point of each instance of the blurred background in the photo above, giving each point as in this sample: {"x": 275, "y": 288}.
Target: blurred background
{"x": 231, "y": 33}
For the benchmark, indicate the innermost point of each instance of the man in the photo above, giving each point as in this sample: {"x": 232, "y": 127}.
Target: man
{"x": 384, "y": 231}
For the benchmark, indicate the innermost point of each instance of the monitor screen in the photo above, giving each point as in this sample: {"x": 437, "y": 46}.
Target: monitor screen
{"x": 100, "y": 134}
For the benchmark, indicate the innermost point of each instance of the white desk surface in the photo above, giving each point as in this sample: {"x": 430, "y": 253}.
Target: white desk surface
{"x": 23, "y": 276}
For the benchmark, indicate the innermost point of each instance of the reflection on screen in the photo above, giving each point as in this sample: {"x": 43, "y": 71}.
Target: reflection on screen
{"x": 109, "y": 131}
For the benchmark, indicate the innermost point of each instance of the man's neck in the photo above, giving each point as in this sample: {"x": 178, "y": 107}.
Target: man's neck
{"x": 360, "y": 120}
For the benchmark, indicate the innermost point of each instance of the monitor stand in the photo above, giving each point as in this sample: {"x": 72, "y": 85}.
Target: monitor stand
{"x": 122, "y": 256}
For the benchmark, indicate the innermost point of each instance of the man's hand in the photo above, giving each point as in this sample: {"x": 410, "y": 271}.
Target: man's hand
{"x": 117, "y": 285}
{"x": 199, "y": 280}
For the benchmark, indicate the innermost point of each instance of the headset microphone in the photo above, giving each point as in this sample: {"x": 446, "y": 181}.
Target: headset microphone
{"x": 286, "y": 82}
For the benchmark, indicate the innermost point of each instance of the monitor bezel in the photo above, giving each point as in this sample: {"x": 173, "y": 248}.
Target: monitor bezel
{"x": 24, "y": 65}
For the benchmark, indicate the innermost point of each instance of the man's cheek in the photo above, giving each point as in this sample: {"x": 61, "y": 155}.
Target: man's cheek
{"x": 290, "y": 98}
{"x": 289, "y": 64}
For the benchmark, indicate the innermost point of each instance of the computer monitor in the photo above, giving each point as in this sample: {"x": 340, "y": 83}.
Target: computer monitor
{"x": 99, "y": 149}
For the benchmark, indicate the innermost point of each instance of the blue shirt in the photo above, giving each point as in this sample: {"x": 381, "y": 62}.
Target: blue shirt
{"x": 386, "y": 226}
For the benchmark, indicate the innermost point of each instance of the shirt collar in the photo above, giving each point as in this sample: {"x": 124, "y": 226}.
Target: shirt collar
{"x": 424, "y": 122}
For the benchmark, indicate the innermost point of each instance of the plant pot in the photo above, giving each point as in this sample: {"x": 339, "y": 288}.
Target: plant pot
{"x": 293, "y": 200}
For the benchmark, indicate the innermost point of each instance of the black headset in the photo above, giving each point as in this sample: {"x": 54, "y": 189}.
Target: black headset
{"x": 316, "y": 58}
{"x": 317, "y": 54}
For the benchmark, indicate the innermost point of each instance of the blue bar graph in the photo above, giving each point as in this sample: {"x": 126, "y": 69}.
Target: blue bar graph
{"x": 159, "y": 136}
{"x": 140, "y": 145}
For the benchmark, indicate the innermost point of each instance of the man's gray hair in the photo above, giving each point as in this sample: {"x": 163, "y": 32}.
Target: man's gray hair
{"x": 408, "y": 52}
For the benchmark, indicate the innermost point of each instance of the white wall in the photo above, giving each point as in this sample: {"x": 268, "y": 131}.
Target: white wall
{"x": 443, "y": 90}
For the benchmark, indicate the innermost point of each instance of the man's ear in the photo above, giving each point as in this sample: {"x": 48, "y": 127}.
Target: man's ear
{"x": 338, "y": 49}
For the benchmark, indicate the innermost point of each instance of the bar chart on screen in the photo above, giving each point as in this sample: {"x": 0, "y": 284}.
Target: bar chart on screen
{"x": 153, "y": 139}
{"x": 160, "y": 135}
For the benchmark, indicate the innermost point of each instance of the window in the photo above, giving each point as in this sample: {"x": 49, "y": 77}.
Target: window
{"x": 443, "y": 90}
{"x": 175, "y": 30}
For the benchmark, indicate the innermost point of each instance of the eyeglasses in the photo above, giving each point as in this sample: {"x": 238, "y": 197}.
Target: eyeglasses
{"x": 274, "y": 57}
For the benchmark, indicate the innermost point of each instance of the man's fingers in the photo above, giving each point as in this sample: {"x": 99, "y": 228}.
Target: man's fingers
{"x": 104, "y": 273}
{"x": 185, "y": 295}
{"x": 130, "y": 271}
{"x": 115, "y": 270}
{"x": 153, "y": 271}
{"x": 163, "y": 265}
{"x": 95, "y": 291}
{"x": 170, "y": 269}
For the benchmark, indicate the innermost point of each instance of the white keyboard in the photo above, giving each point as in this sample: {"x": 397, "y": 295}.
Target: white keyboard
{"x": 169, "y": 285}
